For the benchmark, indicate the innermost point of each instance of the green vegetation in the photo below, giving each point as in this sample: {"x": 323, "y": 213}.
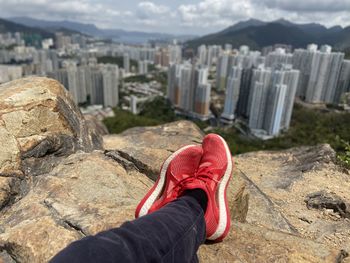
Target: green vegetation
{"x": 158, "y": 109}
{"x": 308, "y": 127}
{"x": 155, "y": 112}
{"x": 344, "y": 157}
{"x": 115, "y": 60}
{"x": 138, "y": 78}
{"x": 124, "y": 120}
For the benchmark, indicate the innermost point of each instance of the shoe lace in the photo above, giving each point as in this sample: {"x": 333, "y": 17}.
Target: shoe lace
{"x": 180, "y": 183}
{"x": 203, "y": 173}
{"x": 206, "y": 172}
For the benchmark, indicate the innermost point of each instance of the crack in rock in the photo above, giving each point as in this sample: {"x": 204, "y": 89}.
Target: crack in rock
{"x": 7, "y": 254}
{"x": 61, "y": 221}
{"x": 342, "y": 255}
{"x": 142, "y": 168}
{"x": 127, "y": 164}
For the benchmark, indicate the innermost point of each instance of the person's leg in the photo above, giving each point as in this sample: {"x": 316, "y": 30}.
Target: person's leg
{"x": 170, "y": 234}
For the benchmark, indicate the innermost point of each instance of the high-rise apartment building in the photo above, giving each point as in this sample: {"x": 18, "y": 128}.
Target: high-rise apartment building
{"x": 188, "y": 89}
{"x": 110, "y": 79}
{"x": 96, "y": 84}
{"x": 232, "y": 94}
{"x": 244, "y": 93}
{"x": 302, "y": 60}
{"x": 202, "y": 55}
{"x": 126, "y": 62}
{"x": 221, "y": 71}
{"x": 10, "y": 72}
{"x": 344, "y": 80}
{"x": 142, "y": 67}
{"x": 202, "y": 100}
{"x": 272, "y": 97}
{"x": 175, "y": 54}
{"x": 275, "y": 108}
{"x": 277, "y": 57}
{"x": 320, "y": 71}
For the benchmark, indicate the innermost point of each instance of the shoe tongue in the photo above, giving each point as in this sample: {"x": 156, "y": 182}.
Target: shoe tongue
{"x": 205, "y": 164}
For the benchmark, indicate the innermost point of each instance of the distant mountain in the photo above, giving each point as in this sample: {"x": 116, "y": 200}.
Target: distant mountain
{"x": 244, "y": 24}
{"x": 258, "y": 34}
{"x": 91, "y": 29}
{"x": 8, "y": 26}
{"x": 88, "y": 29}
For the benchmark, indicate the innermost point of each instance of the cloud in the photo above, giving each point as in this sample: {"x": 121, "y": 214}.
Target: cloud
{"x": 150, "y": 14}
{"x": 309, "y": 5}
{"x": 185, "y": 16}
{"x": 81, "y": 10}
{"x": 219, "y": 13}
{"x": 153, "y": 9}
{"x": 214, "y": 12}
{"x": 149, "y": 11}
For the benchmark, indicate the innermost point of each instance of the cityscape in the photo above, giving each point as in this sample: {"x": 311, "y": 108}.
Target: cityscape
{"x": 256, "y": 88}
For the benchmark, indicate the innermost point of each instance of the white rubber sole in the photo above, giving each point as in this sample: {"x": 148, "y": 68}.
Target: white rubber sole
{"x": 161, "y": 182}
{"x": 221, "y": 196}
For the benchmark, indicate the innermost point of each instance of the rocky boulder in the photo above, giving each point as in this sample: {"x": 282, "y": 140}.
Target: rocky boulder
{"x": 38, "y": 118}
{"x": 39, "y": 125}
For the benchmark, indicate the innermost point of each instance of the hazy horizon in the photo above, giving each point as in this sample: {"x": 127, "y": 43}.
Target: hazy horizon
{"x": 195, "y": 17}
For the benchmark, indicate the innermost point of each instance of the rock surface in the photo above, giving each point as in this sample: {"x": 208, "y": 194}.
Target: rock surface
{"x": 39, "y": 119}
{"x": 69, "y": 187}
{"x": 147, "y": 147}
{"x": 286, "y": 179}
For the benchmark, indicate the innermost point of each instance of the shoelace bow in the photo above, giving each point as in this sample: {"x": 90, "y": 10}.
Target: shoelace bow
{"x": 202, "y": 173}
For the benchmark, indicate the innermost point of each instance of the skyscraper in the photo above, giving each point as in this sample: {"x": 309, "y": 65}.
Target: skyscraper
{"x": 142, "y": 67}
{"x": 320, "y": 71}
{"x": 275, "y": 109}
{"x": 175, "y": 54}
{"x": 344, "y": 80}
{"x": 126, "y": 63}
{"x": 244, "y": 93}
{"x": 110, "y": 79}
{"x": 279, "y": 56}
{"x": 302, "y": 60}
{"x": 172, "y": 83}
{"x": 202, "y": 55}
{"x": 221, "y": 71}
{"x": 232, "y": 94}
{"x": 257, "y": 111}
{"x": 202, "y": 100}
{"x": 188, "y": 89}
{"x": 272, "y": 97}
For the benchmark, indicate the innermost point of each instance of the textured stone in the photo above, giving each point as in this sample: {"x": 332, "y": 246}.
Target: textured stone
{"x": 149, "y": 146}
{"x": 249, "y": 243}
{"x": 39, "y": 118}
{"x": 9, "y": 188}
{"x": 95, "y": 124}
{"x": 281, "y": 181}
{"x": 84, "y": 194}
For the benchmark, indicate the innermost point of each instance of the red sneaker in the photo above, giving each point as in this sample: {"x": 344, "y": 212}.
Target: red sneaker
{"x": 177, "y": 169}
{"x": 213, "y": 176}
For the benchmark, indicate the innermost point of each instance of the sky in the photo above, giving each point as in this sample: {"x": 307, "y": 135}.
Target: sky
{"x": 196, "y": 17}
